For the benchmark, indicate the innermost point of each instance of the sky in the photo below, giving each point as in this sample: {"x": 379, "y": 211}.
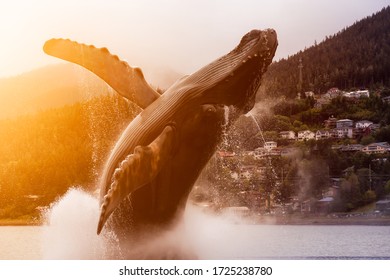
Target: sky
{"x": 183, "y": 35}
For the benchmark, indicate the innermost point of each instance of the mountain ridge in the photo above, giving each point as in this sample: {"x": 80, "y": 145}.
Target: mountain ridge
{"x": 62, "y": 84}
{"x": 355, "y": 57}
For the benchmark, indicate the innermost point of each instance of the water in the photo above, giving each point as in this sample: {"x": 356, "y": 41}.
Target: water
{"x": 240, "y": 242}
{"x": 71, "y": 234}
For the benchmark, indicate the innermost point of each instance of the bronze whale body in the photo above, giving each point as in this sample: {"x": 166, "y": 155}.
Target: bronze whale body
{"x": 157, "y": 159}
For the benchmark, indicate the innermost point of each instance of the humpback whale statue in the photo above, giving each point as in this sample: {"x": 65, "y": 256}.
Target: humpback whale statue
{"x": 156, "y": 161}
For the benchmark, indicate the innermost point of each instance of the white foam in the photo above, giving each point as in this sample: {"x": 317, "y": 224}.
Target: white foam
{"x": 71, "y": 233}
{"x": 71, "y": 229}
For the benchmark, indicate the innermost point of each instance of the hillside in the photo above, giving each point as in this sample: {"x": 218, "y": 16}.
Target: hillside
{"x": 47, "y": 87}
{"x": 62, "y": 84}
{"x": 44, "y": 154}
{"x": 355, "y": 57}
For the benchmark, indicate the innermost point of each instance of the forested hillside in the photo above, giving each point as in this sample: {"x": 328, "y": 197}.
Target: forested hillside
{"x": 355, "y": 57}
{"x": 42, "y": 155}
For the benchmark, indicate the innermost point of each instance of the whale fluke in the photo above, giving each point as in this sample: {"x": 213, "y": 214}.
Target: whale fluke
{"x": 127, "y": 81}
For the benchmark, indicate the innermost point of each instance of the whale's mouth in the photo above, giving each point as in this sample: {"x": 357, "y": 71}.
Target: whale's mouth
{"x": 234, "y": 78}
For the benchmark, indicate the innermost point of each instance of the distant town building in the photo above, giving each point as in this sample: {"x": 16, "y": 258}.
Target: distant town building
{"x": 333, "y": 93}
{"x": 322, "y": 134}
{"x": 270, "y": 145}
{"x": 386, "y": 99}
{"x": 336, "y": 147}
{"x": 344, "y": 123}
{"x": 325, "y": 205}
{"x": 351, "y": 148}
{"x": 264, "y": 152}
{"x": 346, "y": 132}
{"x": 373, "y": 127}
{"x": 377, "y": 148}
{"x": 383, "y": 205}
{"x": 306, "y": 135}
{"x": 290, "y": 135}
{"x": 330, "y": 122}
{"x": 363, "y": 124}
{"x": 275, "y": 152}
{"x": 357, "y": 94}
{"x": 363, "y": 128}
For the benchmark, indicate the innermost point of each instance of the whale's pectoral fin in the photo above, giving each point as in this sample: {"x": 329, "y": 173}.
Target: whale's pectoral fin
{"x": 127, "y": 81}
{"x": 136, "y": 170}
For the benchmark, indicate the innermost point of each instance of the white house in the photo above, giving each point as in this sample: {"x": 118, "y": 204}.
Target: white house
{"x": 357, "y": 94}
{"x": 290, "y": 135}
{"x": 322, "y": 134}
{"x": 260, "y": 152}
{"x": 306, "y": 135}
{"x": 363, "y": 124}
{"x": 270, "y": 145}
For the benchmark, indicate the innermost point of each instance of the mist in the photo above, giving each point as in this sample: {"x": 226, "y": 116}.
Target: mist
{"x": 70, "y": 233}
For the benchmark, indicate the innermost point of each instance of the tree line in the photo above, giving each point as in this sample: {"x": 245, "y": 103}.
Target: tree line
{"x": 356, "y": 57}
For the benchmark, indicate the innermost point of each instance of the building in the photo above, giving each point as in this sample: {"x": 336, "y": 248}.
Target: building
{"x": 334, "y": 92}
{"x": 351, "y": 148}
{"x": 346, "y": 132}
{"x": 322, "y": 134}
{"x": 383, "y": 205}
{"x": 275, "y": 152}
{"x": 376, "y": 148}
{"x": 290, "y": 135}
{"x": 260, "y": 152}
{"x": 325, "y": 205}
{"x": 306, "y": 135}
{"x": 344, "y": 123}
{"x": 269, "y": 149}
{"x": 363, "y": 124}
{"x": 330, "y": 122}
{"x": 373, "y": 127}
{"x": 270, "y": 145}
{"x": 357, "y": 94}
{"x": 386, "y": 99}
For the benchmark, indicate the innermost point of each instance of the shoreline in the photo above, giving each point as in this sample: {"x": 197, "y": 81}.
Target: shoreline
{"x": 20, "y": 222}
{"x": 323, "y": 220}
{"x": 341, "y": 219}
